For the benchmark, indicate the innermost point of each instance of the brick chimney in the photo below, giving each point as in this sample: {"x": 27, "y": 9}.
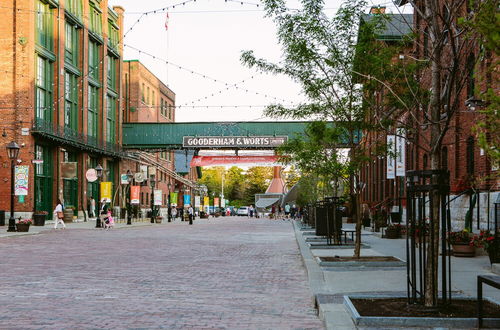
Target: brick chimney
{"x": 377, "y": 10}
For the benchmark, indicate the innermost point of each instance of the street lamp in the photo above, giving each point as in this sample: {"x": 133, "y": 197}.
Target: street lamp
{"x": 169, "y": 213}
{"x": 13, "y": 153}
{"x": 152, "y": 182}
{"x": 130, "y": 177}
{"x": 99, "y": 171}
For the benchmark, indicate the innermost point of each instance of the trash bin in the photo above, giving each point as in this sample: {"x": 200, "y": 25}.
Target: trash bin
{"x": 2, "y": 218}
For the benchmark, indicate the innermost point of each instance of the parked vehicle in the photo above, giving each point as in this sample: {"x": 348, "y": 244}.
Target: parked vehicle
{"x": 243, "y": 211}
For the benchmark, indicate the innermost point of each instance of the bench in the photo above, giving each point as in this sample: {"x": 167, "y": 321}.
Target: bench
{"x": 490, "y": 280}
{"x": 350, "y": 231}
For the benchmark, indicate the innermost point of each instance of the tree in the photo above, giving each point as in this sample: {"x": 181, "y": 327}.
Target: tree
{"x": 257, "y": 181}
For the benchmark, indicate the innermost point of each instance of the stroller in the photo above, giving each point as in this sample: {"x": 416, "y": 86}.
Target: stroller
{"x": 108, "y": 221}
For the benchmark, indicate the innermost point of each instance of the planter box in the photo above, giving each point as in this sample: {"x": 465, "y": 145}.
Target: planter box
{"x": 463, "y": 250}
{"x": 39, "y": 219}
{"x": 22, "y": 227}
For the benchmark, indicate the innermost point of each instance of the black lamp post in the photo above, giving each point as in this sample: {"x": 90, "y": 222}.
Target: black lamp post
{"x": 152, "y": 182}
{"x": 130, "y": 177}
{"x": 13, "y": 153}
{"x": 98, "y": 170}
{"x": 169, "y": 212}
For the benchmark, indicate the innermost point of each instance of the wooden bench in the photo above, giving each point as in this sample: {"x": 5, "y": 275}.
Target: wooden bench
{"x": 490, "y": 280}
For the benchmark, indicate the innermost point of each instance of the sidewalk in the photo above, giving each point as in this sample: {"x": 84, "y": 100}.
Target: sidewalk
{"x": 78, "y": 224}
{"x": 329, "y": 285}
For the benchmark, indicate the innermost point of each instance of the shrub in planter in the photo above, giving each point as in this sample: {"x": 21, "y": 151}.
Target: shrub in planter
{"x": 393, "y": 231}
{"x": 461, "y": 243}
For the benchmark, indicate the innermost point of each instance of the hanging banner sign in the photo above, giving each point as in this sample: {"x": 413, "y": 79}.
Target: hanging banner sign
{"x": 123, "y": 179}
{"x": 21, "y": 173}
{"x": 69, "y": 170}
{"x": 234, "y": 160}
{"x": 187, "y": 200}
{"x": 222, "y": 202}
{"x": 134, "y": 194}
{"x": 233, "y": 141}
{"x": 158, "y": 199}
{"x": 106, "y": 191}
{"x": 391, "y": 160}
{"x": 400, "y": 152}
{"x": 206, "y": 201}
{"x": 197, "y": 201}
{"x": 216, "y": 201}
{"x": 173, "y": 199}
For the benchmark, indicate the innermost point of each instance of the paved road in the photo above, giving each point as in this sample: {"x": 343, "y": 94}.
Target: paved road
{"x": 232, "y": 273}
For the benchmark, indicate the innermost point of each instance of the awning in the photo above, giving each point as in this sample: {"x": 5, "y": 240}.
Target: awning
{"x": 264, "y": 202}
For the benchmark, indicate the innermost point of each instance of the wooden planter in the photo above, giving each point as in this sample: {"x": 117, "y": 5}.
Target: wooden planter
{"x": 22, "y": 227}
{"x": 68, "y": 215}
{"x": 463, "y": 250}
{"x": 392, "y": 233}
{"x": 39, "y": 219}
{"x": 158, "y": 220}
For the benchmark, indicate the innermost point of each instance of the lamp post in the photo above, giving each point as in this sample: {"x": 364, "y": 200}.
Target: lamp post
{"x": 99, "y": 171}
{"x": 152, "y": 182}
{"x": 13, "y": 153}
{"x": 169, "y": 213}
{"x": 130, "y": 177}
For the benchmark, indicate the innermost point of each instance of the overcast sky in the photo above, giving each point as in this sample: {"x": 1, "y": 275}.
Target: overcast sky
{"x": 206, "y": 37}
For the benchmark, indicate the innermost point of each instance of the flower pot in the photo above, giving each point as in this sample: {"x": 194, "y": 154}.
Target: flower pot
{"x": 463, "y": 250}
{"x": 158, "y": 220}
{"x": 22, "y": 227}
{"x": 392, "y": 233}
{"x": 39, "y": 219}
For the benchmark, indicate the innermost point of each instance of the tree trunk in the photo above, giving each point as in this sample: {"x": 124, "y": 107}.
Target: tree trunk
{"x": 431, "y": 279}
{"x": 357, "y": 212}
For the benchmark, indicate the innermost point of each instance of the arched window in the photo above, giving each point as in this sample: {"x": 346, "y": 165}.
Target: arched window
{"x": 470, "y": 156}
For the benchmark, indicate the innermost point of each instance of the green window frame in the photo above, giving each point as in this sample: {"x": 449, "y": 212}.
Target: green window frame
{"x": 110, "y": 118}
{"x": 75, "y": 7}
{"x": 70, "y": 186}
{"x": 94, "y": 60}
{"x": 43, "y": 179}
{"x": 71, "y": 43}
{"x": 71, "y": 101}
{"x": 44, "y": 88}
{"x": 95, "y": 19}
{"x": 113, "y": 37}
{"x": 92, "y": 111}
{"x": 44, "y": 26}
{"x": 111, "y": 72}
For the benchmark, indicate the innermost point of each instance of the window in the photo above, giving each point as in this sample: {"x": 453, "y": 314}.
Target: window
{"x": 148, "y": 96}
{"x": 95, "y": 19}
{"x": 170, "y": 110}
{"x": 162, "y": 110}
{"x": 94, "y": 60}
{"x": 93, "y": 101}
{"x": 71, "y": 43}
{"x": 110, "y": 118}
{"x": 112, "y": 61}
{"x": 70, "y": 101}
{"x": 470, "y": 156}
{"x": 44, "y": 35}
{"x": 74, "y": 7}
{"x": 44, "y": 82}
{"x": 153, "y": 98}
{"x": 143, "y": 98}
{"x": 113, "y": 38}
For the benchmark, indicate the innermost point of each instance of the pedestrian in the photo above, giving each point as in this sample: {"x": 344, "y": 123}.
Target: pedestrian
{"x": 287, "y": 210}
{"x": 59, "y": 215}
{"x": 190, "y": 214}
{"x": 293, "y": 212}
{"x": 181, "y": 213}
{"x": 250, "y": 211}
{"x": 273, "y": 212}
{"x": 103, "y": 213}
{"x": 174, "y": 213}
{"x": 91, "y": 207}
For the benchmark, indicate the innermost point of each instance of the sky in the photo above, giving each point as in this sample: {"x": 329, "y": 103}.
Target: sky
{"x": 203, "y": 43}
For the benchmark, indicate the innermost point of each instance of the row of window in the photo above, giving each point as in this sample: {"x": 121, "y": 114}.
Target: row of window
{"x": 148, "y": 96}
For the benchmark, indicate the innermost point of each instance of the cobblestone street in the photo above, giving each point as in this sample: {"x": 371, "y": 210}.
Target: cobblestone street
{"x": 231, "y": 273}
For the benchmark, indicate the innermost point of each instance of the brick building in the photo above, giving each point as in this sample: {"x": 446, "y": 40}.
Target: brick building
{"x": 468, "y": 164}
{"x": 60, "y": 95}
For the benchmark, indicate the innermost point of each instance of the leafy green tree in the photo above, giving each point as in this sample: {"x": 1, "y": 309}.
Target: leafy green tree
{"x": 257, "y": 181}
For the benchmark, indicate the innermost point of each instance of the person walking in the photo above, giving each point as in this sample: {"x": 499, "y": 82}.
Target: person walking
{"x": 250, "y": 211}
{"x": 59, "y": 215}
{"x": 91, "y": 207}
{"x": 190, "y": 214}
{"x": 174, "y": 213}
{"x": 287, "y": 210}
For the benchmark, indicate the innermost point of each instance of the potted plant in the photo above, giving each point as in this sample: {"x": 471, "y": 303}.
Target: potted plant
{"x": 461, "y": 243}
{"x": 23, "y": 225}
{"x": 159, "y": 219}
{"x": 39, "y": 218}
{"x": 491, "y": 244}
{"x": 393, "y": 231}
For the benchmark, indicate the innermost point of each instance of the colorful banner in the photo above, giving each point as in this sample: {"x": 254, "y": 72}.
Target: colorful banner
{"x": 187, "y": 200}
{"x": 206, "y": 201}
{"x": 106, "y": 191}
{"x": 197, "y": 201}
{"x": 158, "y": 198}
{"x": 21, "y": 173}
{"x": 135, "y": 191}
{"x": 173, "y": 199}
{"x": 270, "y": 160}
{"x": 400, "y": 152}
{"x": 216, "y": 201}
{"x": 391, "y": 160}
